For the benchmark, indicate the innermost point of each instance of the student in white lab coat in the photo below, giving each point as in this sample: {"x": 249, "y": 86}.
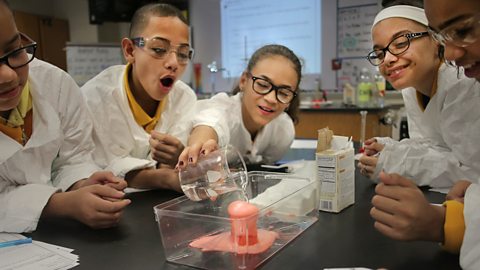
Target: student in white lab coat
{"x": 142, "y": 111}
{"x": 259, "y": 118}
{"x": 456, "y": 25}
{"x": 45, "y": 142}
{"x": 440, "y": 104}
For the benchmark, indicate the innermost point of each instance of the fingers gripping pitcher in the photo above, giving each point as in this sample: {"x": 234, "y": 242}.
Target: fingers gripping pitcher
{"x": 221, "y": 171}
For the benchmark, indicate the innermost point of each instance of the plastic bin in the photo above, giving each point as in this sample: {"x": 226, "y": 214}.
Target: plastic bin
{"x": 288, "y": 205}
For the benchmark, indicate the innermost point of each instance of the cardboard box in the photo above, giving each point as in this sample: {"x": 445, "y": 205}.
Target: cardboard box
{"x": 336, "y": 175}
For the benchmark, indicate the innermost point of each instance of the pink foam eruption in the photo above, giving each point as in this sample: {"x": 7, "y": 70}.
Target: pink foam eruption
{"x": 243, "y": 237}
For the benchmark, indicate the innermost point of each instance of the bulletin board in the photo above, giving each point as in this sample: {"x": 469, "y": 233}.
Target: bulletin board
{"x": 354, "y": 40}
{"x": 84, "y": 61}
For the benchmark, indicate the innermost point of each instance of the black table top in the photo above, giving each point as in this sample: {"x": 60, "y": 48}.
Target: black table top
{"x": 339, "y": 107}
{"x": 346, "y": 239}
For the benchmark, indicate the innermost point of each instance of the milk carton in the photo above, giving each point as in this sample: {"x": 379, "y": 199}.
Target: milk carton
{"x": 336, "y": 175}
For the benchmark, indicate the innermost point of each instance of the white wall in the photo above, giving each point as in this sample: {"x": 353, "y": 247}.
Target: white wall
{"x": 205, "y": 22}
{"x": 329, "y": 45}
{"x": 76, "y": 12}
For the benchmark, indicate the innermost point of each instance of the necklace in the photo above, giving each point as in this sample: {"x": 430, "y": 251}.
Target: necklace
{"x": 24, "y": 135}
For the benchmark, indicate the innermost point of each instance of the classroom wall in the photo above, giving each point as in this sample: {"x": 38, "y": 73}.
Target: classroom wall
{"x": 205, "y": 19}
{"x": 76, "y": 12}
{"x": 44, "y": 7}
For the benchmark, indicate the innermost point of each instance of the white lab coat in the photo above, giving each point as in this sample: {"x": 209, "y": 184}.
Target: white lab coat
{"x": 57, "y": 155}
{"x": 224, "y": 114}
{"x": 414, "y": 116}
{"x": 470, "y": 250}
{"x": 121, "y": 144}
{"x": 414, "y": 113}
{"x": 444, "y": 147}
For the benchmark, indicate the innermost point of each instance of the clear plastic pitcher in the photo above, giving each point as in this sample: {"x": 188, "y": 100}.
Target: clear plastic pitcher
{"x": 217, "y": 173}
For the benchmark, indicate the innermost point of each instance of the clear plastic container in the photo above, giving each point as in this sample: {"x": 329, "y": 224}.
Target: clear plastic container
{"x": 287, "y": 205}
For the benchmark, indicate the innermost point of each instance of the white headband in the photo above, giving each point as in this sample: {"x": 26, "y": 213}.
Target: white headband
{"x": 402, "y": 11}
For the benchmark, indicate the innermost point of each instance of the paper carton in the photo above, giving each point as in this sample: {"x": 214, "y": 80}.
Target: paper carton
{"x": 336, "y": 175}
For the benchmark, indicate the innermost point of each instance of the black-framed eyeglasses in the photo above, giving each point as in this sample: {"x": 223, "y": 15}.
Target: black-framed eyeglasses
{"x": 21, "y": 56}
{"x": 159, "y": 48}
{"x": 397, "y": 46}
{"x": 462, "y": 33}
{"x": 262, "y": 86}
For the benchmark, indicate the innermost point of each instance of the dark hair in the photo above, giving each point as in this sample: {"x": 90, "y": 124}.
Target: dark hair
{"x": 280, "y": 50}
{"x": 415, "y": 3}
{"x": 142, "y": 15}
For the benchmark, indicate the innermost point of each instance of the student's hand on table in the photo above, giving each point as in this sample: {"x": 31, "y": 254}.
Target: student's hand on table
{"x": 457, "y": 192}
{"x": 367, "y": 165}
{"x": 191, "y": 153}
{"x": 90, "y": 206}
{"x": 101, "y": 178}
{"x": 87, "y": 205}
{"x": 165, "y": 148}
{"x": 372, "y": 147}
{"x": 402, "y": 212}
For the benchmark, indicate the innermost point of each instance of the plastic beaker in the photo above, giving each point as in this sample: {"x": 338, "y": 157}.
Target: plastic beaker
{"x": 363, "y": 125}
{"x": 219, "y": 172}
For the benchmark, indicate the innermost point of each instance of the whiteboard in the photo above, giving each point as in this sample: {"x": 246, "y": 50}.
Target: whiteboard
{"x": 84, "y": 61}
{"x": 247, "y": 25}
{"x": 354, "y": 41}
{"x": 354, "y": 30}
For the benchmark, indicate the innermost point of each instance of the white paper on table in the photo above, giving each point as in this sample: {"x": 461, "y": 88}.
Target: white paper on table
{"x": 304, "y": 144}
{"x": 35, "y": 256}
{"x": 440, "y": 190}
{"x": 52, "y": 247}
{"x": 133, "y": 190}
{"x": 4, "y": 237}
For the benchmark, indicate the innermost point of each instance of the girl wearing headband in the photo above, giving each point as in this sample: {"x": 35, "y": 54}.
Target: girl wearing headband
{"x": 456, "y": 25}
{"x": 439, "y": 103}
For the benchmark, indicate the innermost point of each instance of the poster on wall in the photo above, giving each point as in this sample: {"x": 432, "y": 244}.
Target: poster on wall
{"x": 84, "y": 61}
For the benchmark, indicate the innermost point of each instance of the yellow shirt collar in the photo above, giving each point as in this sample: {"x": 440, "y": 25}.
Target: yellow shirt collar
{"x": 141, "y": 117}
{"x": 17, "y": 115}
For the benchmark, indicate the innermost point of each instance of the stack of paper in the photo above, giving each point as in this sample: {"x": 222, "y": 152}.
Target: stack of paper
{"x": 17, "y": 254}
